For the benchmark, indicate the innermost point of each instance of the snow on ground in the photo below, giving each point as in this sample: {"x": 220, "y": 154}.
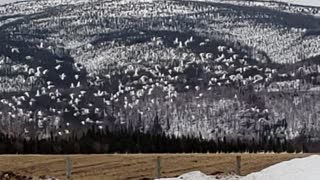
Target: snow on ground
{"x": 303, "y": 2}
{"x": 7, "y": 1}
{"x": 197, "y": 175}
{"x": 296, "y": 169}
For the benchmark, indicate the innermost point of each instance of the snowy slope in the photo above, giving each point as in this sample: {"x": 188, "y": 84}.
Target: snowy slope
{"x": 7, "y": 1}
{"x": 303, "y": 2}
{"x": 297, "y": 169}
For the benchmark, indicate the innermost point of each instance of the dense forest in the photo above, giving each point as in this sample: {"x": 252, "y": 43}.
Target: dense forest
{"x": 103, "y": 141}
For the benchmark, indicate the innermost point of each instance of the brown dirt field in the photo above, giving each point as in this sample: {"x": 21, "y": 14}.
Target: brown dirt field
{"x": 136, "y": 166}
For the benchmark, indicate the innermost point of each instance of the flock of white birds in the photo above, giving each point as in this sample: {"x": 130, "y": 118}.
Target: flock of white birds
{"x": 154, "y": 77}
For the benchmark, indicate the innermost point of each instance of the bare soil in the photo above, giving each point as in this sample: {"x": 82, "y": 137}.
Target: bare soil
{"x": 135, "y": 166}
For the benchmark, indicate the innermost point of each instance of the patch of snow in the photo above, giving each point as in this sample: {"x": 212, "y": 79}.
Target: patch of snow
{"x": 2, "y": 2}
{"x": 197, "y": 175}
{"x": 303, "y": 2}
{"x": 9, "y": 20}
{"x": 314, "y": 89}
{"x": 296, "y": 169}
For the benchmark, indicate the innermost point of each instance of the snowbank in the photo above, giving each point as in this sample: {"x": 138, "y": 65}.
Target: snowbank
{"x": 297, "y": 169}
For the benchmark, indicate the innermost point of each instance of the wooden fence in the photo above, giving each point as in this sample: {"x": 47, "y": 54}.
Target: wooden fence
{"x": 158, "y": 165}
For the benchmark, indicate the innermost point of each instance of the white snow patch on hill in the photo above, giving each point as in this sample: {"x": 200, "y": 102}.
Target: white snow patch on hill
{"x": 303, "y": 2}
{"x": 7, "y": 1}
{"x": 2, "y": 2}
{"x": 297, "y": 169}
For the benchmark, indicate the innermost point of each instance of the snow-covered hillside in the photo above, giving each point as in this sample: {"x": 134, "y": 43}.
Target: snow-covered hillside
{"x": 315, "y": 3}
{"x": 133, "y": 64}
{"x": 8, "y": 1}
{"x": 301, "y": 168}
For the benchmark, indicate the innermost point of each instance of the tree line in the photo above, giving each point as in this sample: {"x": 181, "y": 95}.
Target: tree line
{"x": 123, "y": 141}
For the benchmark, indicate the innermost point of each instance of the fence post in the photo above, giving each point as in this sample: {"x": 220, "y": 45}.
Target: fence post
{"x": 238, "y": 165}
{"x": 158, "y": 167}
{"x": 68, "y": 167}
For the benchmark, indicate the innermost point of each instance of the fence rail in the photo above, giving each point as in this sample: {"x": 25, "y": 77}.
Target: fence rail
{"x": 158, "y": 167}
